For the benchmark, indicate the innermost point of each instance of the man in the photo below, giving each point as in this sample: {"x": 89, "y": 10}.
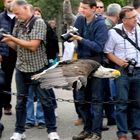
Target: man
{"x": 31, "y": 59}
{"x": 7, "y": 55}
{"x": 100, "y": 7}
{"x": 112, "y": 17}
{"x": 112, "y": 13}
{"x": 124, "y": 54}
{"x": 91, "y": 40}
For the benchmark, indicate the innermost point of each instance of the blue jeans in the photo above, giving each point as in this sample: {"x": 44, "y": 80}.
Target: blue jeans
{"x": 128, "y": 88}
{"x": 23, "y": 81}
{"x": 31, "y": 117}
{"x": 92, "y": 114}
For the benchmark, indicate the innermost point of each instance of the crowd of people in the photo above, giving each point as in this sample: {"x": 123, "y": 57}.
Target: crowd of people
{"x": 110, "y": 36}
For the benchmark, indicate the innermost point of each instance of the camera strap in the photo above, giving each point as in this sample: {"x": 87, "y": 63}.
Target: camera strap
{"x": 125, "y": 36}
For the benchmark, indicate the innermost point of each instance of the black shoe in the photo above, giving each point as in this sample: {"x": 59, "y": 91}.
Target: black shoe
{"x": 105, "y": 128}
{"x": 111, "y": 122}
{"x": 29, "y": 125}
{"x": 1, "y": 129}
{"x": 41, "y": 126}
{"x": 82, "y": 136}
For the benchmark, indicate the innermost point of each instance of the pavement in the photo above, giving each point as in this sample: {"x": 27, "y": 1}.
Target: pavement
{"x": 65, "y": 121}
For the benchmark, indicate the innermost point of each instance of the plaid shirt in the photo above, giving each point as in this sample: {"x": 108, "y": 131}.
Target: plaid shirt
{"x": 28, "y": 61}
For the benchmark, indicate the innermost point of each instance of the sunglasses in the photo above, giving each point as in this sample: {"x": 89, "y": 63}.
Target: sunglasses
{"x": 99, "y": 7}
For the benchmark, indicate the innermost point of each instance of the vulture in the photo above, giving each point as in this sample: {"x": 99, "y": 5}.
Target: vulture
{"x": 64, "y": 74}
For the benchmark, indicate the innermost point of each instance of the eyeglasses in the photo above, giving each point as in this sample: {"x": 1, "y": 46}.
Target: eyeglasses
{"x": 100, "y": 7}
{"x": 133, "y": 17}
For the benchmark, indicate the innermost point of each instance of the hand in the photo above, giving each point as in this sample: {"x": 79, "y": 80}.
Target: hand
{"x": 7, "y": 38}
{"x": 1, "y": 58}
{"x": 75, "y": 37}
{"x": 123, "y": 63}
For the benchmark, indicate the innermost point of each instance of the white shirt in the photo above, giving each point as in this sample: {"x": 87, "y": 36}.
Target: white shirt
{"x": 121, "y": 47}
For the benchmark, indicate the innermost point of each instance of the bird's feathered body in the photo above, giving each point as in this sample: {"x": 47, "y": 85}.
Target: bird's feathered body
{"x": 68, "y": 72}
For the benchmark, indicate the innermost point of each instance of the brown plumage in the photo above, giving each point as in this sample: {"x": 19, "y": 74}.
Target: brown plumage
{"x": 66, "y": 73}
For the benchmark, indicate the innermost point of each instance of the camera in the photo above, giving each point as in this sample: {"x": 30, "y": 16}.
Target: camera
{"x": 67, "y": 35}
{"x": 2, "y": 31}
{"x": 131, "y": 66}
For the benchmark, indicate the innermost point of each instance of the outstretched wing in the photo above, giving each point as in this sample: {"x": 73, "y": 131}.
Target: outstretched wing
{"x": 66, "y": 73}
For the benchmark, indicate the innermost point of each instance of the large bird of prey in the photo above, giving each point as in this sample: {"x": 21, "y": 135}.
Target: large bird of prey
{"x": 65, "y": 74}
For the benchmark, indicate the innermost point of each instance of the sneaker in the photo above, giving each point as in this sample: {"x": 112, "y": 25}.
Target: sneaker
{"x": 29, "y": 125}
{"x": 78, "y": 122}
{"x": 82, "y": 136}
{"x": 94, "y": 137}
{"x": 7, "y": 112}
{"x": 18, "y": 136}
{"x": 53, "y": 136}
{"x": 41, "y": 126}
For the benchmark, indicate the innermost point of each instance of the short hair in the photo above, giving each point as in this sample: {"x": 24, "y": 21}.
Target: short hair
{"x": 113, "y": 9}
{"x": 91, "y": 3}
{"x": 38, "y": 9}
{"x": 19, "y": 3}
{"x": 136, "y": 4}
{"x": 125, "y": 10}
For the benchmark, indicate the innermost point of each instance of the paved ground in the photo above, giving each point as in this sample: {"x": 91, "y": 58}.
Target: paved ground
{"x": 66, "y": 116}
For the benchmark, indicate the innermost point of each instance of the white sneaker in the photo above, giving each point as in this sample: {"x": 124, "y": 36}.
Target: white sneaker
{"x": 53, "y": 136}
{"x": 18, "y": 136}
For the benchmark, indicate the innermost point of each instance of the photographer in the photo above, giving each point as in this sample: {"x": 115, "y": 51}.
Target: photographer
{"x": 91, "y": 38}
{"x": 122, "y": 48}
{"x": 31, "y": 59}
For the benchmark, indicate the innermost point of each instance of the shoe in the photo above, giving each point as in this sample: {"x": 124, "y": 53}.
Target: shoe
{"x": 122, "y": 138}
{"x": 1, "y": 129}
{"x": 7, "y": 111}
{"x": 18, "y": 136}
{"x": 94, "y": 137}
{"x": 78, "y": 122}
{"x": 136, "y": 136}
{"x": 53, "y": 136}
{"x": 111, "y": 122}
{"x": 82, "y": 136}
{"x": 41, "y": 126}
{"x": 29, "y": 125}
{"x": 105, "y": 128}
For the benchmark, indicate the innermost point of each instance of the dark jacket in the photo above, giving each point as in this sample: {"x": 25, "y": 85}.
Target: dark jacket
{"x": 52, "y": 46}
{"x": 95, "y": 35}
{"x": 7, "y": 23}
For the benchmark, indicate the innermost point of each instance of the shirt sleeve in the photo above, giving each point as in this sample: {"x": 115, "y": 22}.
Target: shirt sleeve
{"x": 110, "y": 44}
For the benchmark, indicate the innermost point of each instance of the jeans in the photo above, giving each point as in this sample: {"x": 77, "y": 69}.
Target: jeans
{"x": 23, "y": 81}
{"x": 109, "y": 108}
{"x": 31, "y": 117}
{"x": 128, "y": 88}
{"x": 8, "y": 65}
{"x": 92, "y": 113}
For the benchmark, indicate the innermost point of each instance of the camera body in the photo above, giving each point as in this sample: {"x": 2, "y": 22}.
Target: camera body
{"x": 2, "y": 31}
{"x": 131, "y": 66}
{"x": 67, "y": 35}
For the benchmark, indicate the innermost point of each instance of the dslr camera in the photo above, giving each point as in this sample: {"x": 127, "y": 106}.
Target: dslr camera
{"x": 67, "y": 35}
{"x": 131, "y": 66}
{"x": 2, "y": 31}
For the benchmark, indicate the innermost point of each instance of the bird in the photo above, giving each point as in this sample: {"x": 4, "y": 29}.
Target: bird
{"x": 65, "y": 73}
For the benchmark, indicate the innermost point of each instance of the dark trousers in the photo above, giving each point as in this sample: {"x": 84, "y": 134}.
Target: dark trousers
{"x": 8, "y": 65}
{"x": 23, "y": 81}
